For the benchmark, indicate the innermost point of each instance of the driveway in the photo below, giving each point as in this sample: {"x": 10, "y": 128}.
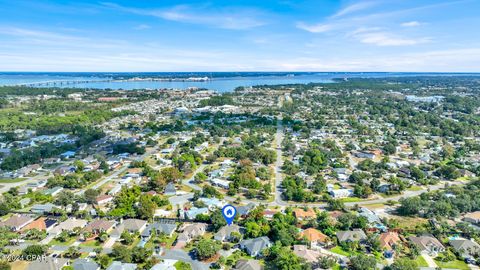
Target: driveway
{"x": 110, "y": 241}
{"x": 429, "y": 260}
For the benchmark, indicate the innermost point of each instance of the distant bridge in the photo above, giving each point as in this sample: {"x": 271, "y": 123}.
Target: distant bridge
{"x": 61, "y": 83}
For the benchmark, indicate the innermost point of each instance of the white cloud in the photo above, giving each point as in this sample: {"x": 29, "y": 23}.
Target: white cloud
{"x": 411, "y": 24}
{"x": 235, "y": 19}
{"x": 315, "y": 28}
{"x": 353, "y": 8}
{"x": 387, "y": 39}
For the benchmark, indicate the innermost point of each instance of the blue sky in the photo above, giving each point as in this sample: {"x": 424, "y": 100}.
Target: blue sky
{"x": 261, "y": 35}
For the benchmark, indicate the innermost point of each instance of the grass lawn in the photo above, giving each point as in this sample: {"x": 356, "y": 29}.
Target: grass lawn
{"x": 453, "y": 264}
{"x": 182, "y": 266}
{"x": 336, "y": 267}
{"x": 409, "y": 222}
{"x": 92, "y": 243}
{"x": 414, "y": 188}
{"x": 8, "y": 180}
{"x": 168, "y": 242}
{"x": 421, "y": 262}
{"x": 340, "y": 251}
{"x": 350, "y": 199}
{"x": 55, "y": 242}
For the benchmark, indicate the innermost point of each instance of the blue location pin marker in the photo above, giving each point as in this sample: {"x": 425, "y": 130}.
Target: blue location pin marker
{"x": 229, "y": 213}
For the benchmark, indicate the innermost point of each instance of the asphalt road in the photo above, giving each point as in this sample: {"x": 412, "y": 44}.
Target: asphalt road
{"x": 278, "y": 164}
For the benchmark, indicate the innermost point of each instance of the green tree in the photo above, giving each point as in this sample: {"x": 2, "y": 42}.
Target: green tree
{"x": 403, "y": 264}
{"x": 207, "y": 248}
{"x": 35, "y": 250}
{"x": 146, "y": 207}
{"x": 363, "y": 262}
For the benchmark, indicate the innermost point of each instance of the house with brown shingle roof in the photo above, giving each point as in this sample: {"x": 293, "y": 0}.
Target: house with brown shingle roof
{"x": 388, "y": 240}
{"x": 99, "y": 225}
{"x": 42, "y": 224}
{"x": 428, "y": 243}
{"x": 301, "y": 214}
{"x": 314, "y": 236}
{"x": 103, "y": 199}
{"x": 16, "y": 222}
{"x": 473, "y": 217}
{"x": 307, "y": 254}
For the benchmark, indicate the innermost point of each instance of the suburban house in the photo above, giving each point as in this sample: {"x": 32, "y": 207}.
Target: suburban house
{"x": 103, "y": 199}
{"x": 191, "y": 231}
{"x": 473, "y": 217}
{"x": 43, "y": 208}
{"x": 85, "y": 264}
{"x": 170, "y": 189}
{"x": 301, "y": 214}
{"x": 351, "y": 236}
{"x": 307, "y": 254}
{"x": 341, "y": 193}
{"x": 220, "y": 183}
{"x": 365, "y": 154}
{"x": 41, "y": 224}
{"x": 165, "y": 264}
{"x": 467, "y": 248}
{"x": 245, "y": 209}
{"x": 167, "y": 228}
{"x": 427, "y": 243}
{"x": 69, "y": 225}
{"x": 16, "y": 222}
{"x": 131, "y": 225}
{"x": 314, "y": 237}
{"x": 48, "y": 263}
{"x": 116, "y": 265}
{"x": 388, "y": 240}
{"x": 54, "y": 191}
{"x": 248, "y": 265}
{"x": 99, "y": 225}
{"x": 255, "y": 246}
{"x": 225, "y": 233}
{"x": 369, "y": 215}
{"x": 213, "y": 203}
{"x": 193, "y": 212}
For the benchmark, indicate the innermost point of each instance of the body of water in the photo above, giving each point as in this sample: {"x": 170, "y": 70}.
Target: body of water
{"x": 217, "y": 83}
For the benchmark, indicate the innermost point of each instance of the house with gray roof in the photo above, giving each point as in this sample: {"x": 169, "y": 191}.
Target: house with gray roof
{"x": 48, "y": 263}
{"x": 225, "y": 233}
{"x": 159, "y": 227}
{"x": 69, "y": 225}
{"x": 369, "y": 215}
{"x": 191, "y": 231}
{"x": 427, "y": 243}
{"x": 248, "y": 265}
{"x": 193, "y": 212}
{"x": 116, "y": 265}
{"x": 84, "y": 264}
{"x": 43, "y": 208}
{"x": 467, "y": 248}
{"x": 255, "y": 246}
{"x": 245, "y": 209}
{"x": 170, "y": 189}
{"x": 351, "y": 236}
{"x": 132, "y": 225}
